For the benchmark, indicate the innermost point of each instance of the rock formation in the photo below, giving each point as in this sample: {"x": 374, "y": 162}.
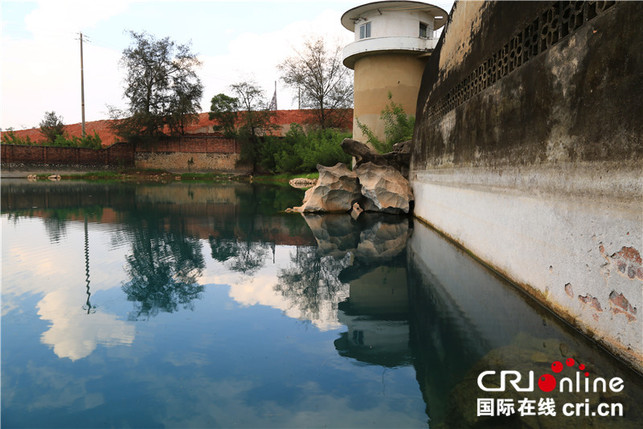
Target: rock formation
{"x": 377, "y": 184}
{"x": 399, "y": 158}
{"x": 385, "y": 188}
{"x": 336, "y": 191}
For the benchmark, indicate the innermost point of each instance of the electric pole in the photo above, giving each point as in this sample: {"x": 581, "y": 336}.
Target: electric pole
{"x": 82, "y": 84}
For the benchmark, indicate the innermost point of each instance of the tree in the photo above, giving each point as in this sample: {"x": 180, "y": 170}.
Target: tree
{"x": 325, "y": 83}
{"x": 252, "y": 118}
{"x": 52, "y": 126}
{"x": 224, "y": 109}
{"x": 162, "y": 86}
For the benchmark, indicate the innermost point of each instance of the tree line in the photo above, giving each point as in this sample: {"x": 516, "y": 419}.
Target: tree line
{"x": 163, "y": 92}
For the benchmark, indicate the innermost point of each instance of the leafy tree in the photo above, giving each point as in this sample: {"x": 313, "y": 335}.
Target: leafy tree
{"x": 52, "y": 126}
{"x": 324, "y": 82}
{"x": 224, "y": 110}
{"x": 253, "y": 120}
{"x": 162, "y": 87}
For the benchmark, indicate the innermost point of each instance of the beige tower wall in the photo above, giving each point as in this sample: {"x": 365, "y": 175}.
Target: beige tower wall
{"x": 375, "y": 77}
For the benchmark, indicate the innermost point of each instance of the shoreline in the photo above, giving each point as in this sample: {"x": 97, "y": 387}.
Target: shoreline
{"x": 134, "y": 175}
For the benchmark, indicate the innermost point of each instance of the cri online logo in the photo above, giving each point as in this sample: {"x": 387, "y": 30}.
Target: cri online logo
{"x": 547, "y": 382}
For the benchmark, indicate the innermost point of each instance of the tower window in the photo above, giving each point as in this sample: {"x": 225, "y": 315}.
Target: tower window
{"x": 424, "y": 33}
{"x": 365, "y": 30}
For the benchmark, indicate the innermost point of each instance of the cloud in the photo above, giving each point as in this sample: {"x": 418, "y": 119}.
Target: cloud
{"x": 59, "y": 277}
{"x": 253, "y": 56}
{"x": 73, "y": 15}
{"x": 49, "y": 79}
{"x": 73, "y": 333}
{"x": 259, "y": 289}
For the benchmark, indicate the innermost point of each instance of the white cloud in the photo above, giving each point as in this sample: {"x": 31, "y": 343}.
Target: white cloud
{"x": 259, "y": 289}
{"x": 42, "y": 73}
{"x": 47, "y": 78}
{"x": 73, "y": 333}
{"x": 59, "y": 277}
{"x": 253, "y": 56}
{"x": 71, "y": 16}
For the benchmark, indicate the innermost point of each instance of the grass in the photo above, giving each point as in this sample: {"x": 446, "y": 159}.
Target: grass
{"x": 284, "y": 178}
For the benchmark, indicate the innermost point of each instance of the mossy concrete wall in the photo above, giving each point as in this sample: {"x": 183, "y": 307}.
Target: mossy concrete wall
{"x": 528, "y": 152}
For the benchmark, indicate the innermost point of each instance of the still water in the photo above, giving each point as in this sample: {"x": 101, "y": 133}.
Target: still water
{"x": 200, "y": 305}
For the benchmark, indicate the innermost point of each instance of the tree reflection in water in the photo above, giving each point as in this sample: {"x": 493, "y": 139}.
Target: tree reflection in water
{"x": 312, "y": 281}
{"x": 241, "y": 256}
{"x": 164, "y": 267}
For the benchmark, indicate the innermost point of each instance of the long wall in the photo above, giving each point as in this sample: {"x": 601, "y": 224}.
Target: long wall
{"x": 185, "y": 153}
{"x": 528, "y": 153}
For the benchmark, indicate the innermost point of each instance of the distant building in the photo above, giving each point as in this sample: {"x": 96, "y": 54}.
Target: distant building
{"x": 393, "y": 40}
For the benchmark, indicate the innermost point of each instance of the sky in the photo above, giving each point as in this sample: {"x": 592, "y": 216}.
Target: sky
{"x": 235, "y": 41}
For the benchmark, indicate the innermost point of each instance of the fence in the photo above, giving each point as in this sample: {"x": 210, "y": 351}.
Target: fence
{"x": 119, "y": 154}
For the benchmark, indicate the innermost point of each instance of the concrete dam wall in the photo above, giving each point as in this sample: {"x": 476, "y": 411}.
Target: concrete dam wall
{"x": 528, "y": 153}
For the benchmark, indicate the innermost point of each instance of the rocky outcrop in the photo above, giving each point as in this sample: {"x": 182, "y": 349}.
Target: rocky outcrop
{"x": 385, "y": 189}
{"x": 335, "y": 192}
{"x": 399, "y": 158}
{"x": 379, "y": 183}
{"x": 370, "y": 187}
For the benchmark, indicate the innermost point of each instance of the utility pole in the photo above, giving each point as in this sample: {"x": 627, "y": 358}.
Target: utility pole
{"x": 82, "y": 84}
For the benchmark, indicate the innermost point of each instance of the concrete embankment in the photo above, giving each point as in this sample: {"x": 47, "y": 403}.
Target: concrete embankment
{"x": 528, "y": 153}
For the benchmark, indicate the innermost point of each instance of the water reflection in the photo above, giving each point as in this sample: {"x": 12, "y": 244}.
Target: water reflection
{"x": 465, "y": 320}
{"x": 164, "y": 266}
{"x": 312, "y": 282}
{"x": 392, "y": 323}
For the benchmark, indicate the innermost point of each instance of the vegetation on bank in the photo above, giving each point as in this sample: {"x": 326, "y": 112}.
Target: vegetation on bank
{"x": 89, "y": 142}
{"x": 398, "y": 127}
{"x": 52, "y": 129}
{"x": 300, "y": 151}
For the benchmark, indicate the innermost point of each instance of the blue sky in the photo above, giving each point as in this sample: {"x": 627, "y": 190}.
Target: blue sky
{"x": 235, "y": 40}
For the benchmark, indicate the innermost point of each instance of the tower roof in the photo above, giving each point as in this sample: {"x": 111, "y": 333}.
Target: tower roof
{"x": 350, "y": 17}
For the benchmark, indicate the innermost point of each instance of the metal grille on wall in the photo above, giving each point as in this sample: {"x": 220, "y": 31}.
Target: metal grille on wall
{"x": 555, "y": 22}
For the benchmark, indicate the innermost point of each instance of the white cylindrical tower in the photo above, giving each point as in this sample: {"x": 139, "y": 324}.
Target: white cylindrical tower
{"x": 393, "y": 40}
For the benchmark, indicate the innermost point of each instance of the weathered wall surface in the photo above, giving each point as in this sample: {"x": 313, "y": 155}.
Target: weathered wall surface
{"x": 189, "y": 153}
{"x": 187, "y": 161}
{"x": 528, "y": 152}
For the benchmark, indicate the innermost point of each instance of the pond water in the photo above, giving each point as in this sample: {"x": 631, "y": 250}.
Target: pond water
{"x": 201, "y": 305}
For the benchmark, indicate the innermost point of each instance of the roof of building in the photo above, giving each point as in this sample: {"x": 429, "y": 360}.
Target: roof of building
{"x": 350, "y": 17}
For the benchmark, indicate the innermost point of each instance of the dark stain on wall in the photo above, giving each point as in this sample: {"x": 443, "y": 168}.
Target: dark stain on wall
{"x": 543, "y": 83}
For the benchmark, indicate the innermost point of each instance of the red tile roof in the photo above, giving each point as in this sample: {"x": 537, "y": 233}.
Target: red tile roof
{"x": 283, "y": 119}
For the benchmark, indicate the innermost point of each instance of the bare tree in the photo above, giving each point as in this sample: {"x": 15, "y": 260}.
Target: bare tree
{"x": 325, "y": 83}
